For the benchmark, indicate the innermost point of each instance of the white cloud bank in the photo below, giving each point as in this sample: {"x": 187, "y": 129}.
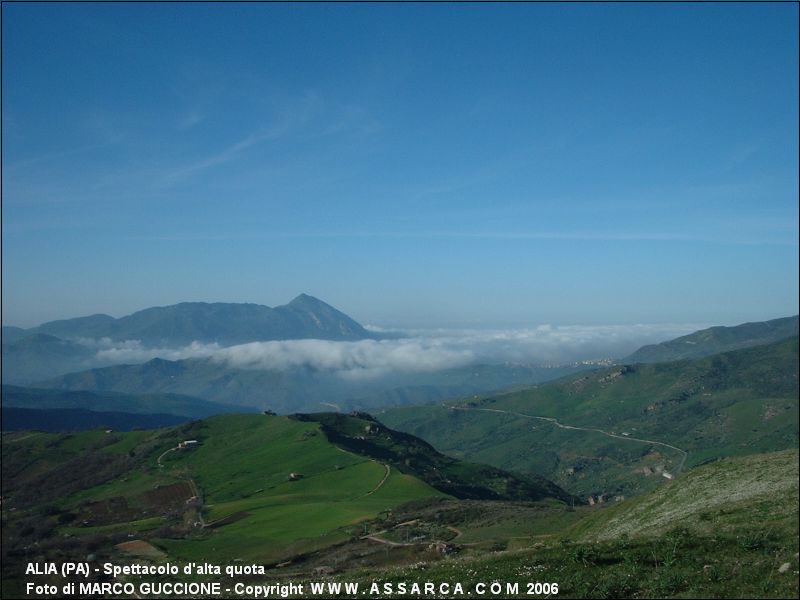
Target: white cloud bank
{"x": 420, "y": 351}
{"x": 353, "y": 359}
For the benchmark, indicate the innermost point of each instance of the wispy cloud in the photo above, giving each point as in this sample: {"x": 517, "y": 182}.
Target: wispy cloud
{"x": 223, "y": 156}
{"x": 305, "y": 115}
{"x": 351, "y": 119}
{"x": 191, "y": 119}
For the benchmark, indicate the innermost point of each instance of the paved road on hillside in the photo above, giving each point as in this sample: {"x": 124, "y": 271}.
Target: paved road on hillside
{"x": 555, "y": 422}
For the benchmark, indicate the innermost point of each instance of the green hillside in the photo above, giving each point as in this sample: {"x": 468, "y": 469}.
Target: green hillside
{"x": 274, "y": 490}
{"x": 362, "y": 434}
{"x": 585, "y": 432}
{"x": 715, "y": 340}
{"x": 724, "y": 530}
{"x": 259, "y": 488}
{"x": 243, "y": 470}
{"x": 719, "y": 497}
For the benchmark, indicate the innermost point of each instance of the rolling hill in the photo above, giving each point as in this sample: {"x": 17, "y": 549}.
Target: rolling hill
{"x": 724, "y": 530}
{"x": 275, "y": 491}
{"x": 362, "y": 434}
{"x": 614, "y": 432}
{"x": 715, "y": 340}
{"x": 255, "y": 488}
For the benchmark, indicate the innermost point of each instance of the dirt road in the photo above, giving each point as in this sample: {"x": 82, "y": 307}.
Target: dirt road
{"x": 555, "y": 422}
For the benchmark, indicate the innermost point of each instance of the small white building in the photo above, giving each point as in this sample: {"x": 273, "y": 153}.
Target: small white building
{"x": 188, "y": 444}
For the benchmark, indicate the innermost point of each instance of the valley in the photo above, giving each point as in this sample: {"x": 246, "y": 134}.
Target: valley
{"x": 613, "y": 481}
{"x": 686, "y": 413}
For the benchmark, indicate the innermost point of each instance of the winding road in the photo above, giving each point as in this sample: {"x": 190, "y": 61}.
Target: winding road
{"x": 163, "y": 454}
{"x": 555, "y": 422}
{"x": 384, "y": 465}
{"x": 382, "y": 481}
{"x": 374, "y": 536}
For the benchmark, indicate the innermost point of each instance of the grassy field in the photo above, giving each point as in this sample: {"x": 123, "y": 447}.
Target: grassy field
{"x": 243, "y": 465}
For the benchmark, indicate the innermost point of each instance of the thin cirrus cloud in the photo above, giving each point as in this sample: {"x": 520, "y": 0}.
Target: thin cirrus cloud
{"x": 223, "y": 156}
{"x": 306, "y": 115}
{"x": 420, "y": 351}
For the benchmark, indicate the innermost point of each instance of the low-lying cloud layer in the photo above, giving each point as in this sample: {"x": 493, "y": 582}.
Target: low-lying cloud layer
{"x": 419, "y": 351}
{"x": 353, "y": 359}
{"x": 133, "y": 351}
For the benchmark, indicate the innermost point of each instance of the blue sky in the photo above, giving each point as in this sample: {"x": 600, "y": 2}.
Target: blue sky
{"x": 413, "y": 165}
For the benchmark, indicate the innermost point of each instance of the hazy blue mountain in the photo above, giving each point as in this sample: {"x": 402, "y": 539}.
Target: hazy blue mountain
{"x": 109, "y": 401}
{"x": 225, "y": 323}
{"x": 12, "y": 334}
{"x": 40, "y": 356}
{"x": 300, "y": 389}
{"x": 715, "y": 340}
{"x": 93, "y": 326}
{"x": 78, "y": 419}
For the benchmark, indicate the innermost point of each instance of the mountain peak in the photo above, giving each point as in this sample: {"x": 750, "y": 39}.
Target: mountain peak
{"x": 306, "y": 300}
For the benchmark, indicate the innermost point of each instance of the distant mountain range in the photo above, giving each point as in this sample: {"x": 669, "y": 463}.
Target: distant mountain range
{"x": 78, "y": 419}
{"x": 715, "y": 340}
{"x": 300, "y": 389}
{"x": 224, "y": 323}
{"x": 171, "y": 404}
{"x": 71, "y": 345}
{"x": 40, "y": 355}
{"x": 46, "y": 361}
